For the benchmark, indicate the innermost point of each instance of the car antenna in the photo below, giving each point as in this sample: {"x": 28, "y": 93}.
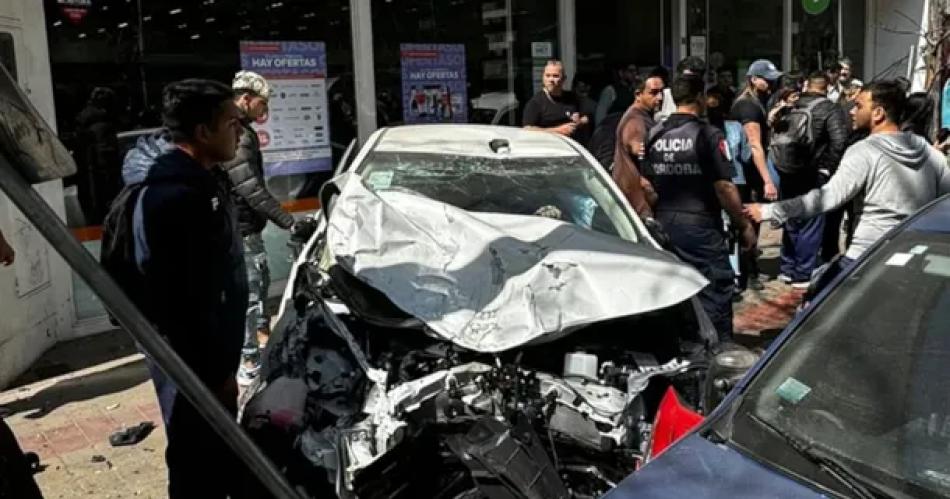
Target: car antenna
{"x": 500, "y": 146}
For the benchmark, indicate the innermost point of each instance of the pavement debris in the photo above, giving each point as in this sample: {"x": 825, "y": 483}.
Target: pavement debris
{"x": 133, "y": 435}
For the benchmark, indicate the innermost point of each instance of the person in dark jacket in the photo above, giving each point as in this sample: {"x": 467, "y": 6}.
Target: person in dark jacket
{"x": 194, "y": 289}
{"x": 255, "y": 206}
{"x": 802, "y": 239}
{"x": 97, "y": 154}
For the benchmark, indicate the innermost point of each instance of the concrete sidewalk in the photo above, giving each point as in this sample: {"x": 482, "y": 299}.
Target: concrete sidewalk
{"x": 67, "y": 421}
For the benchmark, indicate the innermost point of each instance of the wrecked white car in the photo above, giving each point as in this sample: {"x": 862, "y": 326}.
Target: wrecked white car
{"x": 478, "y": 313}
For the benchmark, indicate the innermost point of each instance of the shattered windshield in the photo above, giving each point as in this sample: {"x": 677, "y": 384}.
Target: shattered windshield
{"x": 866, "y": 377}
{"x": 564, "y": 188}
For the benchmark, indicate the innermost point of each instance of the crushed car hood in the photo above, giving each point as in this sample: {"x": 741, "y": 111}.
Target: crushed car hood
{"x": 490, "y": 282}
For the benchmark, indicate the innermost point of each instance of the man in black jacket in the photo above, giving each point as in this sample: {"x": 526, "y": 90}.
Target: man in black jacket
{"x": 802, "y": 239}
{"x": 255, "y": 207}
{"x": 193, "y": 285}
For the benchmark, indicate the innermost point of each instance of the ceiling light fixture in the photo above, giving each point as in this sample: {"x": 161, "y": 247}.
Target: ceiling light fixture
{"x": 174, "y": 11}
{"x": 123, "y": 25}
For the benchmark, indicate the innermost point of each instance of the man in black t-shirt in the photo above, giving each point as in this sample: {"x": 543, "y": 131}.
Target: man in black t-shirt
{"x": 554, "y": 109}
{"x": 690, "y": 169}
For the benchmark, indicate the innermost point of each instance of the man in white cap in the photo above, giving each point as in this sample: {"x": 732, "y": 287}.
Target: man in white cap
{"x": 255, "y": 206}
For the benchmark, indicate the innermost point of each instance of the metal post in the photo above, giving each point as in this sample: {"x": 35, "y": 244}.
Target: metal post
{"x": 663, "y": 29}
{"x": 141, "y": 24}
{"x": 510, "y": 49}
{"x": 870, "y": 39}
{"x": 364, "y": 71}
{"x": 47, "y": 223}
{"x": 567, "y": 38}
{"x": 787, "y": 35}
{"x": 841, "y": 31}
{"x": 567, "y": 35}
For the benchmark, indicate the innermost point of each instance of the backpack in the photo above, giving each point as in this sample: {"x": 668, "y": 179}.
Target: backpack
{"x": 117, "y": 256}
{"x": 793, "y": 139}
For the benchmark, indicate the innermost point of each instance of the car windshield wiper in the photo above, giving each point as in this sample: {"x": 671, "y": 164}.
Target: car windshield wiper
{"x": 827, "y": 463}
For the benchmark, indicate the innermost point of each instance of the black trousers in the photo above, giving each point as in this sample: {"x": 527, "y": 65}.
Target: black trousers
{"x": 705, "y": 247}
{"x": 16, "y": 478}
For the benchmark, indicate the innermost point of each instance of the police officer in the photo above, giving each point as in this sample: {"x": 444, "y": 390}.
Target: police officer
{"x": 688, "y": 163}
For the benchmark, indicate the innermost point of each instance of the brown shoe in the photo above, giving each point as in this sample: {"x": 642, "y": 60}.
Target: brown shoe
{"x": 263, "y": 335}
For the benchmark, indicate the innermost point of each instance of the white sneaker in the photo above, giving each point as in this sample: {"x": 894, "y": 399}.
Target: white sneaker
{"x": 801, "y": 284}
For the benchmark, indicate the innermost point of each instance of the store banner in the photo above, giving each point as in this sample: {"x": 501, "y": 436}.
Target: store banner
{"x": 295, "y": 133}
{"x": 434, "y": 83}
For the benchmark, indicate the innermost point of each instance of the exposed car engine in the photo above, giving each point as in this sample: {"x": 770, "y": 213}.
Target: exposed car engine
{"x": 370, "y": 411}
{"x": 428, "y": 351}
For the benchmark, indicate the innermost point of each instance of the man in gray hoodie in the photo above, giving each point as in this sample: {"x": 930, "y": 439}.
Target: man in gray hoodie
{"x": 889, "y": 175}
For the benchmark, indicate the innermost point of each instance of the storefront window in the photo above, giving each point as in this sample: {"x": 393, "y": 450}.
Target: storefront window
{"x": 109, "y": 67}
{"x": 615, "y": 34}
{"x": 459, "y": 61}
{"x": 814, "y": 38}
{"x": 741, "y": 31}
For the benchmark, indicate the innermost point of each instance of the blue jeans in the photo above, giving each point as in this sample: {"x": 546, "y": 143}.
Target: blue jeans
{"x": 801, "y": 239}
{"x": 705, "y": 247}
{"x": 258, "y": 282}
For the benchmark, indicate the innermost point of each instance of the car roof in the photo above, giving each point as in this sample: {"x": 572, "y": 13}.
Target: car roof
{"x": 934, "y": 218}
{"x": 473, "y": 140}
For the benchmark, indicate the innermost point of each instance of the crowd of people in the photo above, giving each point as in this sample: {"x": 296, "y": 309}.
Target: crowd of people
{"x": 687, "y": 155}
{"x": 710, "y": 162}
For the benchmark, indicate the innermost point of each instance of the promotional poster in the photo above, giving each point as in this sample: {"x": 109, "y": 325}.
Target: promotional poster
{"x": 434, "y": 83}
{"x": 295, "y": 133}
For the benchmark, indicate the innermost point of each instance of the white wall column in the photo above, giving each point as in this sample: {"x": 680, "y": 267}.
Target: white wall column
{"x": 567, "y": 38}
{"x": 364, "y": 75}
{"x": 787, "y": 35}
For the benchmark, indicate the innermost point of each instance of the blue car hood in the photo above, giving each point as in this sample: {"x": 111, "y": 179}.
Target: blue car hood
{"x": 699, "y": 469}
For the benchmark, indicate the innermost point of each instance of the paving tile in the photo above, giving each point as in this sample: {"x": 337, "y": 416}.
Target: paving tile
{"x": 65, "y": 439}
{"x": 98, "y": 427}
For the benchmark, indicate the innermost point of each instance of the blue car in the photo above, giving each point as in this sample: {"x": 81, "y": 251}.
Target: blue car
{"x": 852, "y": 400}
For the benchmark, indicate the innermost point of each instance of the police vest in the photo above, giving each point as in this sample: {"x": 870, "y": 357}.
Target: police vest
{"x": 675, "y": 169}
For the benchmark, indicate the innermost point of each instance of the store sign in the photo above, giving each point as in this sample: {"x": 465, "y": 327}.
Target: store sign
{"x": 295, "y": 134}
{"x": 75, "y": 10}
{"x": 815, "y": 7}
{"x": 434, "y": 83}
{"x": 697, "y": 46}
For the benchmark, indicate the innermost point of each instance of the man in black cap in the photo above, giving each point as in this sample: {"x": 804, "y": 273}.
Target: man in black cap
{"x": 749, "y": 110}
{"x": 688, "y": 163}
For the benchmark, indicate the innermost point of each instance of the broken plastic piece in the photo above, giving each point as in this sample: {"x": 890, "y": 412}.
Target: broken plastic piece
{"x": 133, "y": 435}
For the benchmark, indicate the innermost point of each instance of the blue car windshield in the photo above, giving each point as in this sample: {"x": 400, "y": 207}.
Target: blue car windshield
{"x": 866, "y": 378}
{"x": 565, "y": 188}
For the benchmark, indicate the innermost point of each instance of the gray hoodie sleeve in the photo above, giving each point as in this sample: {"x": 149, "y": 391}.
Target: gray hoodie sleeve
{"x": 943, "y": 177}
{"x": 846, "y": 183}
